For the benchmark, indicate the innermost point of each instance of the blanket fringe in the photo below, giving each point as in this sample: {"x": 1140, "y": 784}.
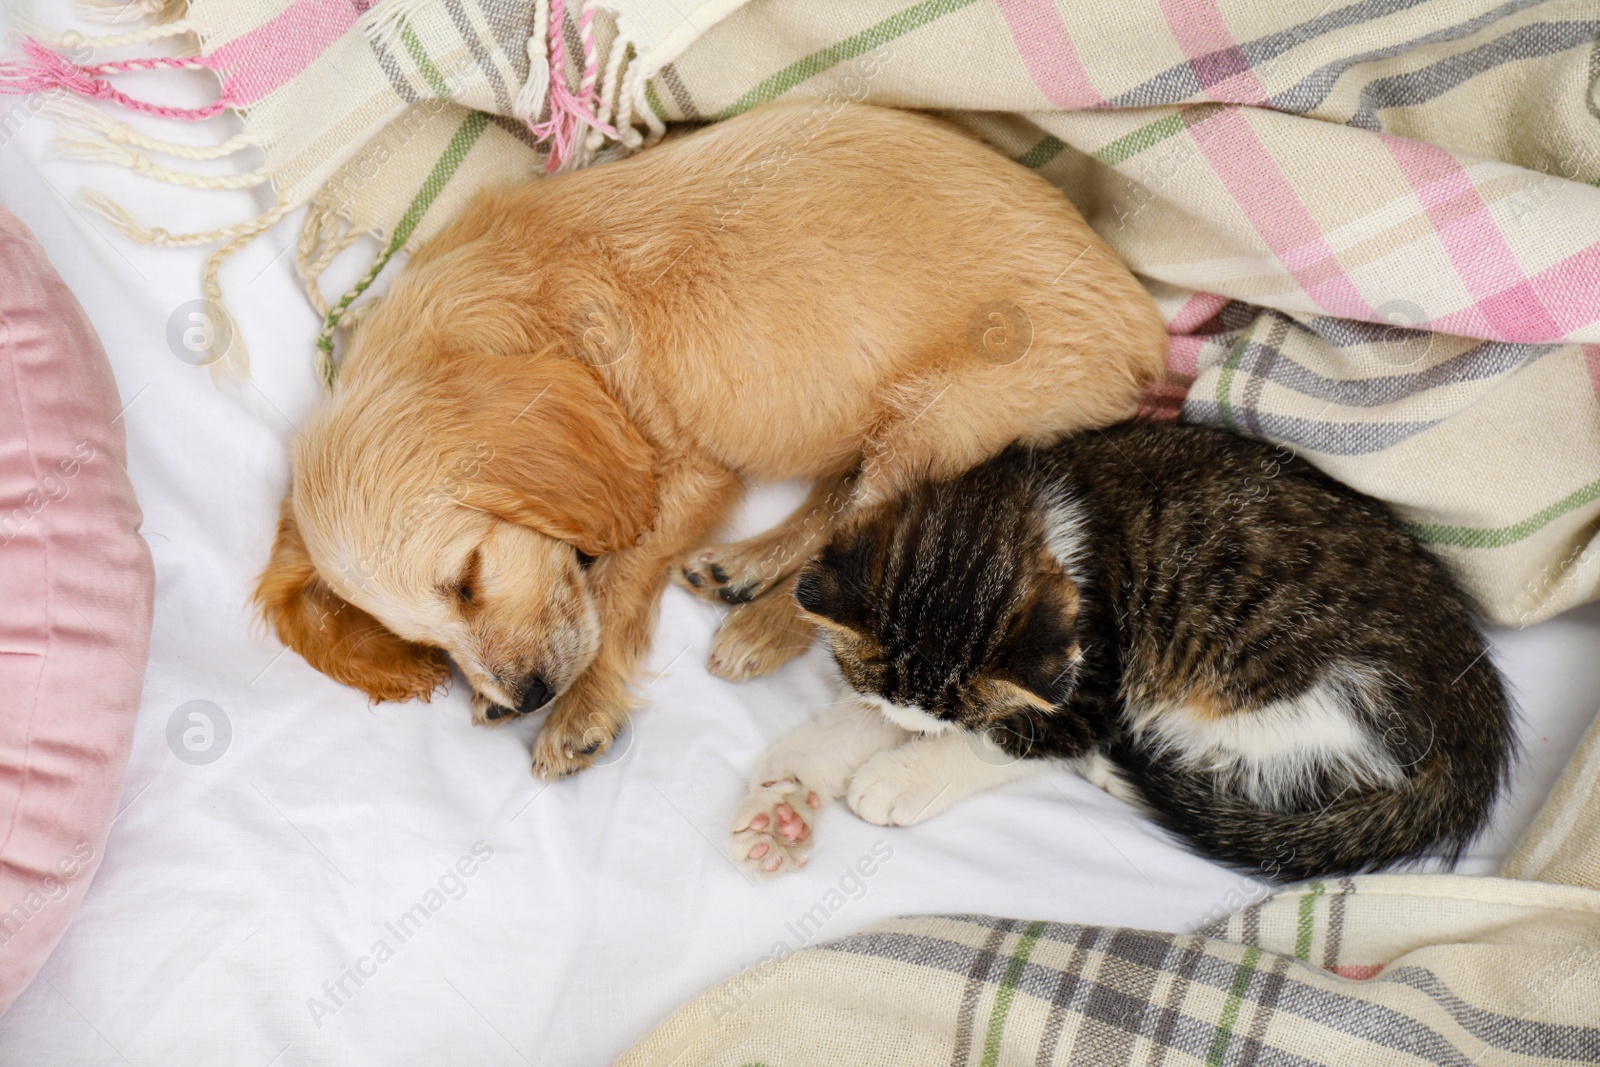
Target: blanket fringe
{"x": 610, "y": 87}
{"x": 116, "y": 11}
{"x": 72, "y": 40}
{"x": 382, "y": 23}
{"x": 81, "y": 118}
{"x": 528, "y": 105}
{"x": 569, "y": 111}
{"x": 323, "y": 236}
{"x": 138, "y": 162}
{"x": 342, "y": 315}
{"x": 576, "y": 108}
{"x": 236, "y": 360}
{"x": 43, "y": 69}
{"x": 634, "y": 105}
{"x": 123, "y": 221}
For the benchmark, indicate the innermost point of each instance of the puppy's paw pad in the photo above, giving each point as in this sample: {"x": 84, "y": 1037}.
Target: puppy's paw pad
{"x": 772, "y": 828}
{"x": 887, "y": 794}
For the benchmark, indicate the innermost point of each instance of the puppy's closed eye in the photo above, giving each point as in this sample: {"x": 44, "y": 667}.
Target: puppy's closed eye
{"x": 465, "y": 588}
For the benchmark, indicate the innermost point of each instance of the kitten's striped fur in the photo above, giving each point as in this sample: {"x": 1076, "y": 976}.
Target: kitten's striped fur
{"x": 1267, "y": 662}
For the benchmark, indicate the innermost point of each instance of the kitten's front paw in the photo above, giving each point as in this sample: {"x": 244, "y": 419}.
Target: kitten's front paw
{"x": 891, "y": 789}
{"x": 772, "y": 827}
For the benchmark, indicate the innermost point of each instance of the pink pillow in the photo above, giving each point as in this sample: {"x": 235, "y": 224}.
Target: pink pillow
{"x": 76, "y": 586}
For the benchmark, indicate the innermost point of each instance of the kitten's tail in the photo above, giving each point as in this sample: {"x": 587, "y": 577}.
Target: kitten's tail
{"x": 1437, "y": 811}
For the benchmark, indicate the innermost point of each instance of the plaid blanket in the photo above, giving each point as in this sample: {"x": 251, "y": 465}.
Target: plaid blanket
{"x": 1372, "y": 225}
{"x": 1391, "y": 970}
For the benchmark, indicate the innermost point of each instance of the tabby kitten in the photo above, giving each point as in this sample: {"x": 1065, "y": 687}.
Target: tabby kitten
{"x": 1255, "y": 654}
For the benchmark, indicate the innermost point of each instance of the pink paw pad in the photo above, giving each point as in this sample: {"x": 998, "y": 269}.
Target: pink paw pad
{"x": 770, "y": 832}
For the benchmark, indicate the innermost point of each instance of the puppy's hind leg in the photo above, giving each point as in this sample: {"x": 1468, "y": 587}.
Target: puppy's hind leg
{"x": 968, "y": 410}
{"x": 772, "y": 827}
{"x": 740, "y": 571}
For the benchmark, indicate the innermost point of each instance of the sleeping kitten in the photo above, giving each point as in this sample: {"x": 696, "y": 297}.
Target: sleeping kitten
{"x": 1255, "y": 654}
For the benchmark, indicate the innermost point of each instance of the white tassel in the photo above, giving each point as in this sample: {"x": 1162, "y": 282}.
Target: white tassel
{"x": 529, "y": 102}
{"x": 631, "y": 137}
{"x": 607, "y": 111}
{"x": 236, "y": 358}
{"x": 382, "y": 23}
{"x": 139, "y": 163}
{"x": 72, "y": 40}
{"x": 586, "y": 79}
{"x": 638, "y": 105}
{"x": 118, "y": 216}
{"x": 116, "y": 11}
{"x": 78, "y": 117}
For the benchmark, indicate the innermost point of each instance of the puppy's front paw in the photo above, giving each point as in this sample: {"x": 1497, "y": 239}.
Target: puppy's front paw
{"x": 734, "y": 573}
{"x": 756, "y": 639}
{"x": 891, "y": 789}
{"x": 772, "y": 827}
{"x": 573, "y": 737}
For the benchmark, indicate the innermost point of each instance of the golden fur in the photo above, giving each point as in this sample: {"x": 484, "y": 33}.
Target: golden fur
{"x": 598, "y": 363}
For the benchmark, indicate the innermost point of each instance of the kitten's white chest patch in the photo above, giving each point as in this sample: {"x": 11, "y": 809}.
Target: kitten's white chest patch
{"x": 906, "y": 716}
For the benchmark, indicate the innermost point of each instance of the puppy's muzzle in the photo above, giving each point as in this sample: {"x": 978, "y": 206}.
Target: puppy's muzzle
{"x": 535, "y": 695}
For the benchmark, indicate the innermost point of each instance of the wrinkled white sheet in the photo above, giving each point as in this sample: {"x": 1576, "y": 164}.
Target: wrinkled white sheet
{"x": 236, "y": 895}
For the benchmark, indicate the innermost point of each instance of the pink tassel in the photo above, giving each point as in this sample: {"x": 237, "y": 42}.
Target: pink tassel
{"x": 44, "y": 69}
{"x": 569, "y": 111}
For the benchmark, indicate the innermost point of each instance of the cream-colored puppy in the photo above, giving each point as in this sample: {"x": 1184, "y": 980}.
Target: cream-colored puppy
{"x": 566, "y": 391}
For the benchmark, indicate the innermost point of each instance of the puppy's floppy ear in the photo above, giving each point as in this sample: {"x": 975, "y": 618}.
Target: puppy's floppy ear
{"x": 566, "y": 460}
{"x": 334, "y": 636}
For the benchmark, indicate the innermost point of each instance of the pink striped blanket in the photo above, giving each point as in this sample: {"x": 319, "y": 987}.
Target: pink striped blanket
{"x": 1373, "y": 225}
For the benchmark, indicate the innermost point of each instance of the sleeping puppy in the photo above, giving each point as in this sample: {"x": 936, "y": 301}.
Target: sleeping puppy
{"x": 566, "y": 392}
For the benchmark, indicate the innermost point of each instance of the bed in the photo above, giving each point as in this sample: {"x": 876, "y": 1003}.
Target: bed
{"x": 295, "y": 877}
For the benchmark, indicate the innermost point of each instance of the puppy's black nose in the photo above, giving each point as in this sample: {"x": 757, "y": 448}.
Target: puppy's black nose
{"x": 535, "y": 695}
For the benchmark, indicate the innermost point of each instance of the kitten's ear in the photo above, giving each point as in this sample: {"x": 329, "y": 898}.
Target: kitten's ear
{"x": 1055, "y": 588}
{"x": 825, "y": 591}
{"x": 1004, "y": 693}
{"x": 1042, "y": 651}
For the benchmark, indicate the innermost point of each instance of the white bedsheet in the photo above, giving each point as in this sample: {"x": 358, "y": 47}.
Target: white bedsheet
{"x": 232, "y": 892}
